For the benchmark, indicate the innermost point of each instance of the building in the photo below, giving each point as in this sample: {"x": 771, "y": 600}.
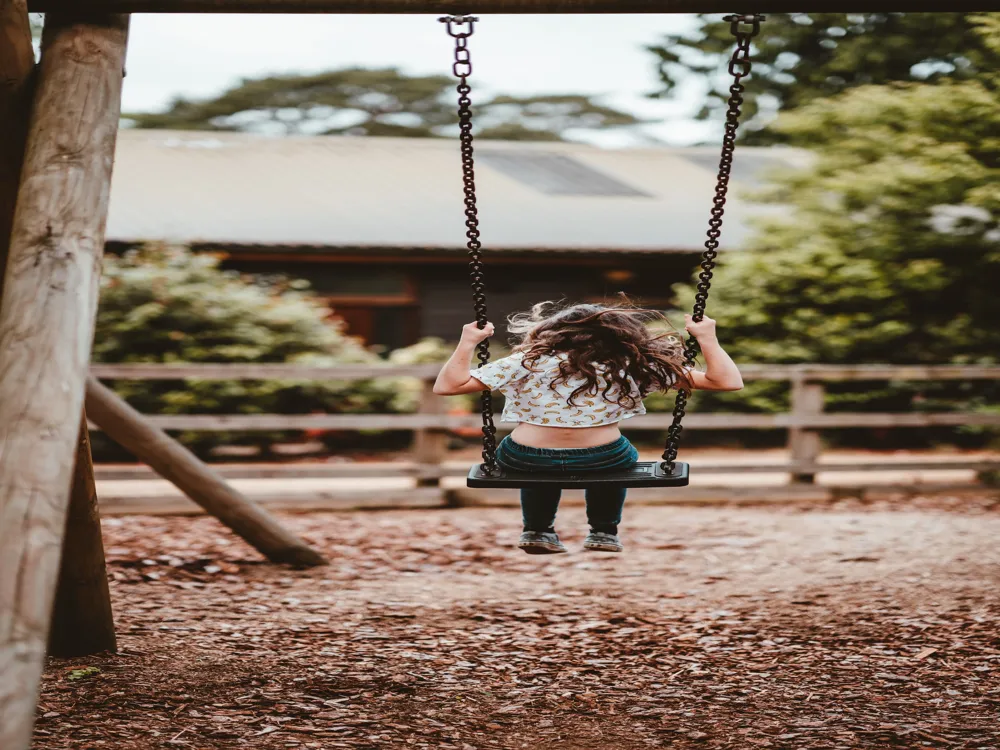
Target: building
{"x": 377, "y": 224}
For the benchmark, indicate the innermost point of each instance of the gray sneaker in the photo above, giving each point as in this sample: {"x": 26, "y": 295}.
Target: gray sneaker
{"x": 541, "y": 543}
{"x": 600, "y": 541}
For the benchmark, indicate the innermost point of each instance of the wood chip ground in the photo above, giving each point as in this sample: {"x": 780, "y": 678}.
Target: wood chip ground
{"x": 844, "y": 628}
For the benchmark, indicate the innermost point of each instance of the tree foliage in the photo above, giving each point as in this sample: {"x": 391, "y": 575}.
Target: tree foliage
{"x": 382, "y": 102}
{"x": 546, "y": 117}
{"x": 799, "y": 57}
{"x": 890, "y": 250}
{"x": 166, "y": 304}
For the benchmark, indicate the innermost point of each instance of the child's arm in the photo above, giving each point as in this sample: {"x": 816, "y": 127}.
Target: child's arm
{"x": 721, "y": 373}
{"x": 454, "y": 378}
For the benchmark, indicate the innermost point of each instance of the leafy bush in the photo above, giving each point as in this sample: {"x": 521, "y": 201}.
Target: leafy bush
{"x": 889, "y": 252}
{"x": 166, "y": 304}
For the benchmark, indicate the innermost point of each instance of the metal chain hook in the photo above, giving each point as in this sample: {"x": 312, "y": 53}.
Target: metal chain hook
{"x": 453, "y": 21}
{"x": 739, "y": 68}
{"x": 462, "y": 69}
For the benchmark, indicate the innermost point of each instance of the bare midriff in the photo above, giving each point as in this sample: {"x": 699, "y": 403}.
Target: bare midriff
{"x": 537, "y": 436}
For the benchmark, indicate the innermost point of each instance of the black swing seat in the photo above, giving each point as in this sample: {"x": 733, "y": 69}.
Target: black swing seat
{"x": 643, "y": 474}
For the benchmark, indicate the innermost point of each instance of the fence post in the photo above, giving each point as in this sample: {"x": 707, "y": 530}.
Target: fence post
{"x": 430, "y": 446}
{"x": 805, "y": 444}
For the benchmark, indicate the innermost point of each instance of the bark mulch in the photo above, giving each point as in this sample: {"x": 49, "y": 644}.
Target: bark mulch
{"x": 847, "y": 627}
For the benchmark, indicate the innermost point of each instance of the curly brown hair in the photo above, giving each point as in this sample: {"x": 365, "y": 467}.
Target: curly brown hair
{"x": 615, "y": 342}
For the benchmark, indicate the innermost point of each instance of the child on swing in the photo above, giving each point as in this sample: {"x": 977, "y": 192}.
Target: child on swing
{"x": 574, "y": 374}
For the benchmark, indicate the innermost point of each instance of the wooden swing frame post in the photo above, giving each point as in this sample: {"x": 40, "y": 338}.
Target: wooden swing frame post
{"x": 46, "y": 325}
{"x": 82, "y": 621}
{"x": 47, "y": 314}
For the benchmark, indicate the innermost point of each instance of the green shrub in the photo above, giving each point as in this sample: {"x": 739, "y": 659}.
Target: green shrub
{"x": 166, "y": 304}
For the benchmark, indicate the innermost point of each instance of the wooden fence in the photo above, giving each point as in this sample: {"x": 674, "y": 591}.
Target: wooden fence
{"x": 804, "y": 421}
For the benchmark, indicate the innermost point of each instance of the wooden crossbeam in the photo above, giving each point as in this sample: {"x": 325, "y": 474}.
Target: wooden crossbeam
{"x": 506, "y": 6}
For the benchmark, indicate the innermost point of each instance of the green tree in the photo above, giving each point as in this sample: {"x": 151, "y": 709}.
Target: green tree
{"x": 801, "y": 56}
{"x": 546, "y": 117}
{"x": 890, "y": 249}
{"x": 166, "y": 304}
{"x": 383, "y": 102}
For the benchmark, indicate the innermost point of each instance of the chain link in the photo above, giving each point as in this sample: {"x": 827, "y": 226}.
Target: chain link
{"x": 460, "y": 28}
{"x": 739, "y": 68}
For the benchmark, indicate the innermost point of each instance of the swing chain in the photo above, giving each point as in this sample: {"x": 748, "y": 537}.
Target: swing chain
{"x": 460, "y": 28}
{"x": 739, "y": 68}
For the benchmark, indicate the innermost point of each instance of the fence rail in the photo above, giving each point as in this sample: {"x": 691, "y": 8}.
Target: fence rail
{"x": 804, "y": 420}
{"x": 382, "y": 469}
{"x": 157, "y": 371}
{"x": 274, "y": 422}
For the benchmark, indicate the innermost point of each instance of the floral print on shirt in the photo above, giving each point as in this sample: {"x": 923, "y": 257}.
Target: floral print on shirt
{"x": 532, "y": 399}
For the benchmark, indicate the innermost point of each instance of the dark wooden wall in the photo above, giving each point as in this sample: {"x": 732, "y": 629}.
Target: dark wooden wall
{"x": 395, "y": 302}
{"x": 446, "y": 297}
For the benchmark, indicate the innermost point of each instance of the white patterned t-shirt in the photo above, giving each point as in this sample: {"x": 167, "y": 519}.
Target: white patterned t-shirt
{"x": 531, "y": 398}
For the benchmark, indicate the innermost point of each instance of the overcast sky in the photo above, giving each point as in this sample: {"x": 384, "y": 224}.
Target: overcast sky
{"x": 196, "y": 56}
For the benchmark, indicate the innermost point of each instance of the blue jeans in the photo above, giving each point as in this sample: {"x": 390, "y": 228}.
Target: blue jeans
{"x": 539, "y": 504}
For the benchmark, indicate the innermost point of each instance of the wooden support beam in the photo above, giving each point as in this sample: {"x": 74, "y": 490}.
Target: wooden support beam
{"x": 508, "y": 6}
{"x": 46, "y": 328}
{"x": 178, "y": 465}
{"x": 82, "y": 622}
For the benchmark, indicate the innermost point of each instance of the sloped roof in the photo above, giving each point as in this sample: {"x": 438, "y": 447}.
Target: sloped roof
{"x": 234, "y": 188}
